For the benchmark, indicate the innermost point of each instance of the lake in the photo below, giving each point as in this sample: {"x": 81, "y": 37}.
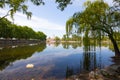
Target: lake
{"x": 52, "y": 61}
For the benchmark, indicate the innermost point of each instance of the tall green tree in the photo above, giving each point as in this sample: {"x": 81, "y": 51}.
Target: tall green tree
{"x": 98, "y": 19}
{"x": 5, "y": 28}
{"x": 40, "y": 35}
{"x": 9, "y": 30}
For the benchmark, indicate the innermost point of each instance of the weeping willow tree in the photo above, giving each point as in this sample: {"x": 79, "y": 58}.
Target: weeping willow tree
{"x": 97, "y": 20}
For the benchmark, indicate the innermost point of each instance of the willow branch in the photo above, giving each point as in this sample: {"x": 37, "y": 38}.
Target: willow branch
{"x": 6, "y": 15}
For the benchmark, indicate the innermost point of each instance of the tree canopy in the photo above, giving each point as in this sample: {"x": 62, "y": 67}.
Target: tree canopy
{"x": 22, "y": 6}
{"x": 9, "y": 30}
{"x": 97, "y": 20}
{"x": 18, "y": 5}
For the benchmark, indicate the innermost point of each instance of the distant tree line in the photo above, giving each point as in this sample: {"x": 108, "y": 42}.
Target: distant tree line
{"x": 9, "y": 30}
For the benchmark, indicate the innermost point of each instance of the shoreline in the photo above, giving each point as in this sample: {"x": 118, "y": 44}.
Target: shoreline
{"x": 6, "y": 43}
{"x": 111, "y": 72}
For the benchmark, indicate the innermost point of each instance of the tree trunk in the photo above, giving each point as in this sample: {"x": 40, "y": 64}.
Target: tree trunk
{"x": 117, "y": 52}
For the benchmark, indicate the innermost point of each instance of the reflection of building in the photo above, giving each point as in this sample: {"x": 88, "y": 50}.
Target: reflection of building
{"x": 50, "y": 40}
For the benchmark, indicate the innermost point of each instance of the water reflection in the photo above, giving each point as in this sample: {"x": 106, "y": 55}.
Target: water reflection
{"x": 89, "y": 60}
{"x": 69, "y": 71}
{"x": 67, "y": 45}
{"x": 57, "y": 61}
{"x": 10, "y": 54}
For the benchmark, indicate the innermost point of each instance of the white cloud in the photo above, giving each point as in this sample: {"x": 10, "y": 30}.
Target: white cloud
{"x": 37, "y": 23}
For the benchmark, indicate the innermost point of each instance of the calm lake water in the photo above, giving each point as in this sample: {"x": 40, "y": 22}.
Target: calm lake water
{"x": 52, "y": 61}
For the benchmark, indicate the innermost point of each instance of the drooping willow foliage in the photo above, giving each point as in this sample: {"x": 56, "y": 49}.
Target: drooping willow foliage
{"x": 88, "y": 20}
{"x": 18, "y": 5}
{"x": 96, "y": 21}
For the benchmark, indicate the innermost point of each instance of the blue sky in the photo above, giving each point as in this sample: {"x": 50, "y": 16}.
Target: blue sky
{"x": 48, "y": 18}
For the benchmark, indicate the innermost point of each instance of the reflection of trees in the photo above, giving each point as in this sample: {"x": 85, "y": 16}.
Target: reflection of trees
{"x": 74, "y": 46}
{"x": 57, "y": 44}
{"x": 88, "y": 61}
{"x": 69, "y": 72}
{"x": 9, "y": 55}
{"x": 66, "y": 45}
{"x": 89, "y": 56}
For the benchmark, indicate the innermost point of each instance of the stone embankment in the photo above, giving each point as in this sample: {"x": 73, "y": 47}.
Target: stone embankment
{"x": 110, "y": 73}
{"x": 18, "y": 42}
